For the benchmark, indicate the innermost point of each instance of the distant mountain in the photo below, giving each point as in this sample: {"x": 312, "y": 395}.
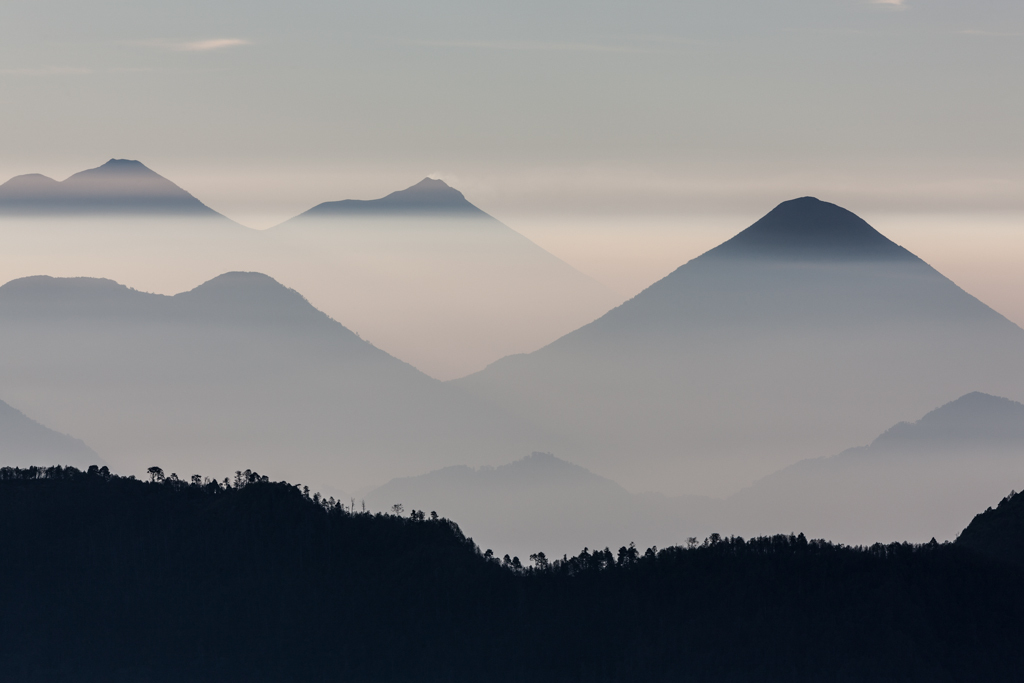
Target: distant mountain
{"x": 24, "y": 442}
{"x": 543, "y": 503}
{"x": 808, "y": 229}
{"x": 432, "y": 278}
{"x": 806, "y": 332}
{"x": 429, "y": 196}
{"x": 118, "y": 187}
{"x": 120, "y": 221}
{"x": 914, "y": 482}
{"x": 240, "y": 370}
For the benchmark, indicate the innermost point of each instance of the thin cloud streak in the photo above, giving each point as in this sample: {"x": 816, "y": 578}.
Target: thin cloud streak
{"x": 194, "y": 45}
{"x": 531, "y": 47}
{"x": 207, "y": 45}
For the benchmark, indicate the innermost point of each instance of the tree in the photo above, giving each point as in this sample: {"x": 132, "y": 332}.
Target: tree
{"x": 155, "y": 473}
{"x": 397, "y": 509}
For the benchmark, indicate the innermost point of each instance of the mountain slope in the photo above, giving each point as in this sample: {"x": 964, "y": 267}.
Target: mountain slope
{"x": 914, "y": 482}
{"x": 432, "y": 278}
{"x": 24, "y": 442}
{"x": 805, "y": 333}
{"x": 998, "y": 533}
{"x": 239, "y": 370}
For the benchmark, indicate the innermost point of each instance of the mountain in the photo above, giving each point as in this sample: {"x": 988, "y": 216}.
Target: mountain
{"x": 914, "y": 482}
{"x": 543, "y": 503}
{"x": 122, "y": 221}
{"x": 806, "y": 332}
{"x": 24, "y": 442}
{"x": 431, "y": 278}
{"x": 429, "y": 196}
{"x": 240, "y": 370}
{"x": 118, "y": 187}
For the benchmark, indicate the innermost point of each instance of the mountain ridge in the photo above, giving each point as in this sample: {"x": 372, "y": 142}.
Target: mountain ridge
{"x": 120, "y": 186}
{"x": 428, "y": 196}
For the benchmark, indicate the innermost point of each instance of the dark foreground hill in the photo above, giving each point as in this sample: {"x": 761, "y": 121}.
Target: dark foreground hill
{"x": 114, "y": 579}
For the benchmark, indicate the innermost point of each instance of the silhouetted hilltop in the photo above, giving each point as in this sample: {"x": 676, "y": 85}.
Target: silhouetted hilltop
{"x": 429, "y": 197}
{"x": 25, "y": 442}
{"x": 998, "y": 533}
{"x": 112, "y": 579}
{"x": 120, "y": 186}
{"x": 810, "y": 229}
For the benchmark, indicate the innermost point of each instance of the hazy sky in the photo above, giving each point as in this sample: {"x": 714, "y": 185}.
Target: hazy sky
{"x": 581, "y": 124}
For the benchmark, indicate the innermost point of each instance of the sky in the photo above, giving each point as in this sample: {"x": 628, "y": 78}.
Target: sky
{"x": 625, "y": 137}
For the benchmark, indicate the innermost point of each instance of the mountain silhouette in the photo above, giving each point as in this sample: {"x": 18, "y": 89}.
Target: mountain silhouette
{"x": 916, "y": 481}
{"x": 427, "y": 196}
{"x": 805, "y": 333}
{"x": 970, "y": 419}
{"x": 432, "y": 278}
{"x": 808, "y": 229}
{"x": 542, "y": 502}
{"x": 239, "y": 368}
{"x": 121, "y": 221}
{"x": 24, "y": 442}
{"x": 120, "y": 186}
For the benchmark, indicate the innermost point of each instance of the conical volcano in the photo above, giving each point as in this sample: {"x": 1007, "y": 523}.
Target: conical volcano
{"x": 804, "y": 334}
{"x": 434, "y": 279}
{"x": 808, "y": 229}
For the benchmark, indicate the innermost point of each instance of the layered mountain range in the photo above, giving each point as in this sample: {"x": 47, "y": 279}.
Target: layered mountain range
{"x": 422, "y": 272}
{"x": 804, "y": 334}
{"x": 916, "y": 481}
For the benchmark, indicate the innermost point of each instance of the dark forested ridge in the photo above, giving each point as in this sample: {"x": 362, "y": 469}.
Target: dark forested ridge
{"x": 115, "y": 579}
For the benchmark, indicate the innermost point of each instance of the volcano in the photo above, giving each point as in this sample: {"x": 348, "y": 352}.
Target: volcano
{"x": 118, "y": 187}
{"x": 805, "y": 333}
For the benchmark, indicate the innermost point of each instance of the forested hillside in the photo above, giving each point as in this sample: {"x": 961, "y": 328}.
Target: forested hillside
{"x": 115, "y": 579}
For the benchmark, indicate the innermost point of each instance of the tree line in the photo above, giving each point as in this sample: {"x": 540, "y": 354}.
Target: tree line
{"x": 110, "y": 578}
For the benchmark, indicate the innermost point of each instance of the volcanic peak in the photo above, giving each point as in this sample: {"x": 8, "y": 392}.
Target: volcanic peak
{"x": 808, "y": 229}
